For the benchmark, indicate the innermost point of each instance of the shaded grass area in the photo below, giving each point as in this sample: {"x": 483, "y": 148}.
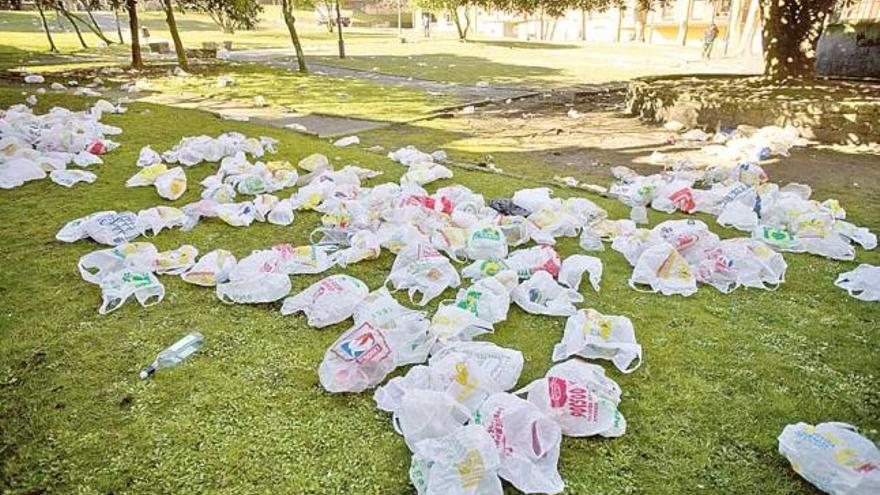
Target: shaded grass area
{"x": 310, "y": 93}
{"x": 722, "y": 374}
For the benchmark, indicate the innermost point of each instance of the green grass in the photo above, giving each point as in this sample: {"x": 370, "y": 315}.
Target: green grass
{"x": 722, "y": 375}
{"x": 440, "y": 58}
{"x": 306, "y": 93}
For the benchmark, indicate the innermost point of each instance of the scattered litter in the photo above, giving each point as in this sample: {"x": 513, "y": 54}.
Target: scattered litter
{"x": 347, "y": 141}
{"x": 175, "y": 354}
{"x": 469, "y": 110}
{"x": 235, "y": 117}
{"x": 34, "y": 79}
{"x": 68, "y": 178}
{"x": 833, "y": 457}
{"x": 579, "y": 398}
{"x": 296, "y": 127}
{"x": 592, "y": 335}
{"x": 260, "y": 101}
{"x": 863, "y": 283}
{"x": 328, "y": 301}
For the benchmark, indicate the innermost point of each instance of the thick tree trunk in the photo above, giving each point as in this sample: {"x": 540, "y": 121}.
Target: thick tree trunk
{"x": 118, "y": 27}
{"x": 175, "y": 35}
{"x": 339, "y": 30}
{"x": 72, "y": 23}
{"x": 290, "y": 20}
{"x": 52, "y": 47}
{"x": 791, "y": 33}
{"x": 137, "y": 62}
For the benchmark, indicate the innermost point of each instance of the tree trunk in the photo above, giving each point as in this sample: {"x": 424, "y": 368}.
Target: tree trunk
{"x": 290, "y": 20}
{"x": 52, "y": 47}
{"x": 72, "y": 23}
{"x": 791, "y": 32}
{"x": 339, "y": 30}
{"x": 137, "y": 62}
{"x": 462, "y": 31}
{"x": 99, "y": 32}
{"x": 73, "y": 18}
{"x": 175, "y": 35}
{"x": 118, "y": 27}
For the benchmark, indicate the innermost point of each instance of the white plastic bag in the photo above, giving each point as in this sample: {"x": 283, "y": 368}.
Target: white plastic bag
{"x": 422, "y": 269}
{"x": 465, "y": 462}
{"x": 265, "y": 287}
{"x": 862, "y": 283}
{"x": 97, "y": 265}
{"x": 148, "y": 157}
{"x": 359, "y": 359}
{"x": 542, "y": 295}
{"x": 486, "y": 242}
{"x": 488, "y": 298}
{"x": 425, "y": 414}
{"x": 68, "y": 178}
{"x": 171, "y": 184}
{"x": 328, "y": 301}
{"x": 211, "y": 269}
{"x": 119, "y": 286}
{"x": 175, "y": 261}
{"x": 833, "y": 457}
{"x": 592, "y": 335}
{"x": 527, "y": 441}
{"x": 665, "y": 270}
{"x": 573, "y": 269}
{"x": 579, "y": 398}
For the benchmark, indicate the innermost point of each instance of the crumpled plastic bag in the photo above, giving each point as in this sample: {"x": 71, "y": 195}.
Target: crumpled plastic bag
{"x": 148, "y": 157}
{"x": 592, "y": 335}
{"x": 488, "y": 298}
{"x": 542, "y": 295}
{"x": 97, "y": 265}
{"x": 424, "y": 414}
{"x": 486, "y": 242}
{"x": 579, "y": 398}
{"x": 176, "y": 261}
{"x": 328, "y": 301}
{"x": 299, "y": 260}
{"x": 465, "y": 462}
{"x": 573, "y": 269}
{"x": 211, "y": 269}
{"x": 68, "y": 178}
{"x": 105, "y": 227}
{"x": 863, "y": 283}
{"x": 664, "y": 270}
{"x": 451, "y": 323}
{"x": 481, "y": 269}
{"x": 527, "y": 442}
{"x": 281, "y": 214}
{"x": 119, "y": 286}
{"x": 259, "y": 288}
{"x": 421, "y": 268}
{"x": 158, "y": 218}
{"x": 469, "y": 372}
{"x": 833, "y": 457}
{"x": 147, "y": 175}
{"x": 527, "y": 262}
{"x": 364, "y": 245}
{"x": 171, "y": 184}
{"x": 385, "y": 335}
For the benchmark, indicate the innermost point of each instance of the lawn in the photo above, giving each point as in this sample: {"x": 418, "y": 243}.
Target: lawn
{"x": 440, "y": 58}
{"x": 287, "y": 89}
{"x": 723, "y": 374}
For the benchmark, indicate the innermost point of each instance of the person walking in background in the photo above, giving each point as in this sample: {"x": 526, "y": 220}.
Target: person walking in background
{"x": 709, "y": 36}
{"x": 426, "y": 23}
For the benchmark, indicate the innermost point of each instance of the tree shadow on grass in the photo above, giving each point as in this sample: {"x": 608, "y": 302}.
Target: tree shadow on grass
{"x": 535, "y": 45}
{"x": 465, "y": 69}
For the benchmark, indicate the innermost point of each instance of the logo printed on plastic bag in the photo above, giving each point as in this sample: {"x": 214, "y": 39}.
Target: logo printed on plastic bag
{"x": 363, "y": 344}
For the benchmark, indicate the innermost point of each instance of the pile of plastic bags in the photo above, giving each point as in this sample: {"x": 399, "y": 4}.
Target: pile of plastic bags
{"x": 34, "y": 146}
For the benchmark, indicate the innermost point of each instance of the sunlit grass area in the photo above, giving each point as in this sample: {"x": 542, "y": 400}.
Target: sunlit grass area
{"x": 310, "y": 93}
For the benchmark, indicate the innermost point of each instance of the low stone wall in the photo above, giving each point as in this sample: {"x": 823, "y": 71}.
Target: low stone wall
{"x": 851, "y": 50}
{"x": 828, "y": 112}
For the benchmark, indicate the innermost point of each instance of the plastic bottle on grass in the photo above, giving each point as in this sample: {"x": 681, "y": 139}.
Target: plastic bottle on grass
{"x": 174, "y": 354}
